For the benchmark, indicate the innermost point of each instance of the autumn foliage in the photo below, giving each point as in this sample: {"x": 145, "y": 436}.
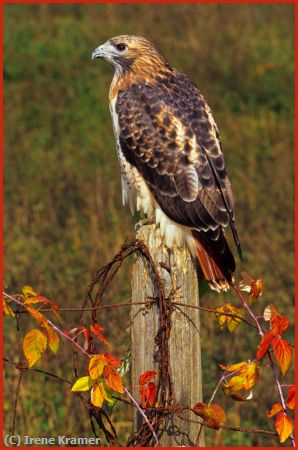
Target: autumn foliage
{"x": 213, "y": 415}
{"x": 282, "y": 349}
{"x": 147, "y": 388}
{"x": 103, "y": 380}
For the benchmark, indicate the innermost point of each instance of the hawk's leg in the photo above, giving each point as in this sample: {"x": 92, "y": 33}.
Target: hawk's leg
{"x": 147, "y": 221}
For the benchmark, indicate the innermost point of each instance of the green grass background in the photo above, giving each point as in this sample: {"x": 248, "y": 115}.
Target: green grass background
{"x": 63, "y": 213}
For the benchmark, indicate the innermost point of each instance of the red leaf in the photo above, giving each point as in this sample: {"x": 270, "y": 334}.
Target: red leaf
{"x": 113, "y": 379}
{"x": 151, "y": 393}
{"x": 265, "y": 342}
{"x": 283, "y": 353}
{"x": 111, "y": 360}
{"x": 147, "y": 376}
{"x": 143, "y": 396}
{"x": 291, "y": 397}
{"x": 96, "y": 329}
{"x": 279, "y": 324}
{"x": 283, "y": 426}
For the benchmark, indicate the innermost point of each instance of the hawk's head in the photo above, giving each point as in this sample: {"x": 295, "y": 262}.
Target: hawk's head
{"x": 129, "y": 53}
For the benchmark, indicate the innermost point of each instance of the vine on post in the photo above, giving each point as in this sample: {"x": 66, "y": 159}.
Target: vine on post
{"x": 103, "y": 380}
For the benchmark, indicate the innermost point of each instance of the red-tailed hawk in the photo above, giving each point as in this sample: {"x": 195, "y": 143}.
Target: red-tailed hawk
{"x": 172, "y": 164}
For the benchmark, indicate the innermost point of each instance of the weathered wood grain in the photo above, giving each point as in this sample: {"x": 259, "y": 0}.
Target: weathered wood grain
{"x": 185, "y": 350}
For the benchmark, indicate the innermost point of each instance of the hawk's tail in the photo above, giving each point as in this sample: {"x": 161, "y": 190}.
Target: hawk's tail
{"x": 215, "y": 258}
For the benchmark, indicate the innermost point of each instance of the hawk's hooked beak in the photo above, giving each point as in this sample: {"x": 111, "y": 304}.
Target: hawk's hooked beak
{"x": 99, "y": 52}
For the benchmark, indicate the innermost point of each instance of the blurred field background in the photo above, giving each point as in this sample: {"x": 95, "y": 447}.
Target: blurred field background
{"x": 63, "y": 213}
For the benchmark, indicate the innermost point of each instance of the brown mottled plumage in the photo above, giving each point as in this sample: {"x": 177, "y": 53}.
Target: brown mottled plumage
{"x": 170, "y": 154}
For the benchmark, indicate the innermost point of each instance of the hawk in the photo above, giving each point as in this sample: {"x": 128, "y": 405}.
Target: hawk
{"x": 172, "y": 163}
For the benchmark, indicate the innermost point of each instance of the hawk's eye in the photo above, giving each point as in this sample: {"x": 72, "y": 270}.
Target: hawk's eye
{"x": 121, "y": 47}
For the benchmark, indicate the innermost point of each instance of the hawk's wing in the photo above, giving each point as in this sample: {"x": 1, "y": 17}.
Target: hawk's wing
{"x": 166, "y": 130}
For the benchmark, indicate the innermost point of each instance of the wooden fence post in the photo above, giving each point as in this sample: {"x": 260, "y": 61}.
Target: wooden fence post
{"x": 178, "y": 274}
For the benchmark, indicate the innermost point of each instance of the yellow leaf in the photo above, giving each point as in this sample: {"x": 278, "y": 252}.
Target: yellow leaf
{"x": 98, "y": 394}
{"x": 236, "y": 383}
{"x": 109, "y": 397}
{"x": 34, "y": 344}
{"x": 247, "y": 376}
{"x": 233, "y": 367}
{"x": 250, "y": 369}
{"x": 233, "y": 322}
{"x": 28, "y": 291}
{"x": 221, "y": 317}
{"x": 251, "y": 374}
{"x": 7, "y": 309}
{"x": 83, "y": 384}
{"x": 53, "y": 339}
{"x": 96, "y": 366}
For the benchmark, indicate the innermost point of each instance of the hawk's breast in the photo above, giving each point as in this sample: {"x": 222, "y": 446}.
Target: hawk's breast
{"x": 134, "y": 188}
{"x": 136, "y": 193}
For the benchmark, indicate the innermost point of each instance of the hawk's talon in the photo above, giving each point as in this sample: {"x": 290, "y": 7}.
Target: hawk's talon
{"x": 142, "y": 222}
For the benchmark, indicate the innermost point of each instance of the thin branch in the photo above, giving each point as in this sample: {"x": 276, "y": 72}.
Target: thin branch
{"x": 69, "y": 338}
{"x": 18, "y": 367}
{"x": 226, "y": 427}
{"x": 249, "y": 430}
{"x": 143, "y": 414}
{"x": 16, "y": 402}
{"x": 95, "y": 308}
{"x": 214, "y": 311}
{"x": 147, "y": 303}
{"x": 245, "y": 304}
{"x": 54, "y": 326}
{"x": 198, "y": 435}
{"x": 222, "y": 378}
